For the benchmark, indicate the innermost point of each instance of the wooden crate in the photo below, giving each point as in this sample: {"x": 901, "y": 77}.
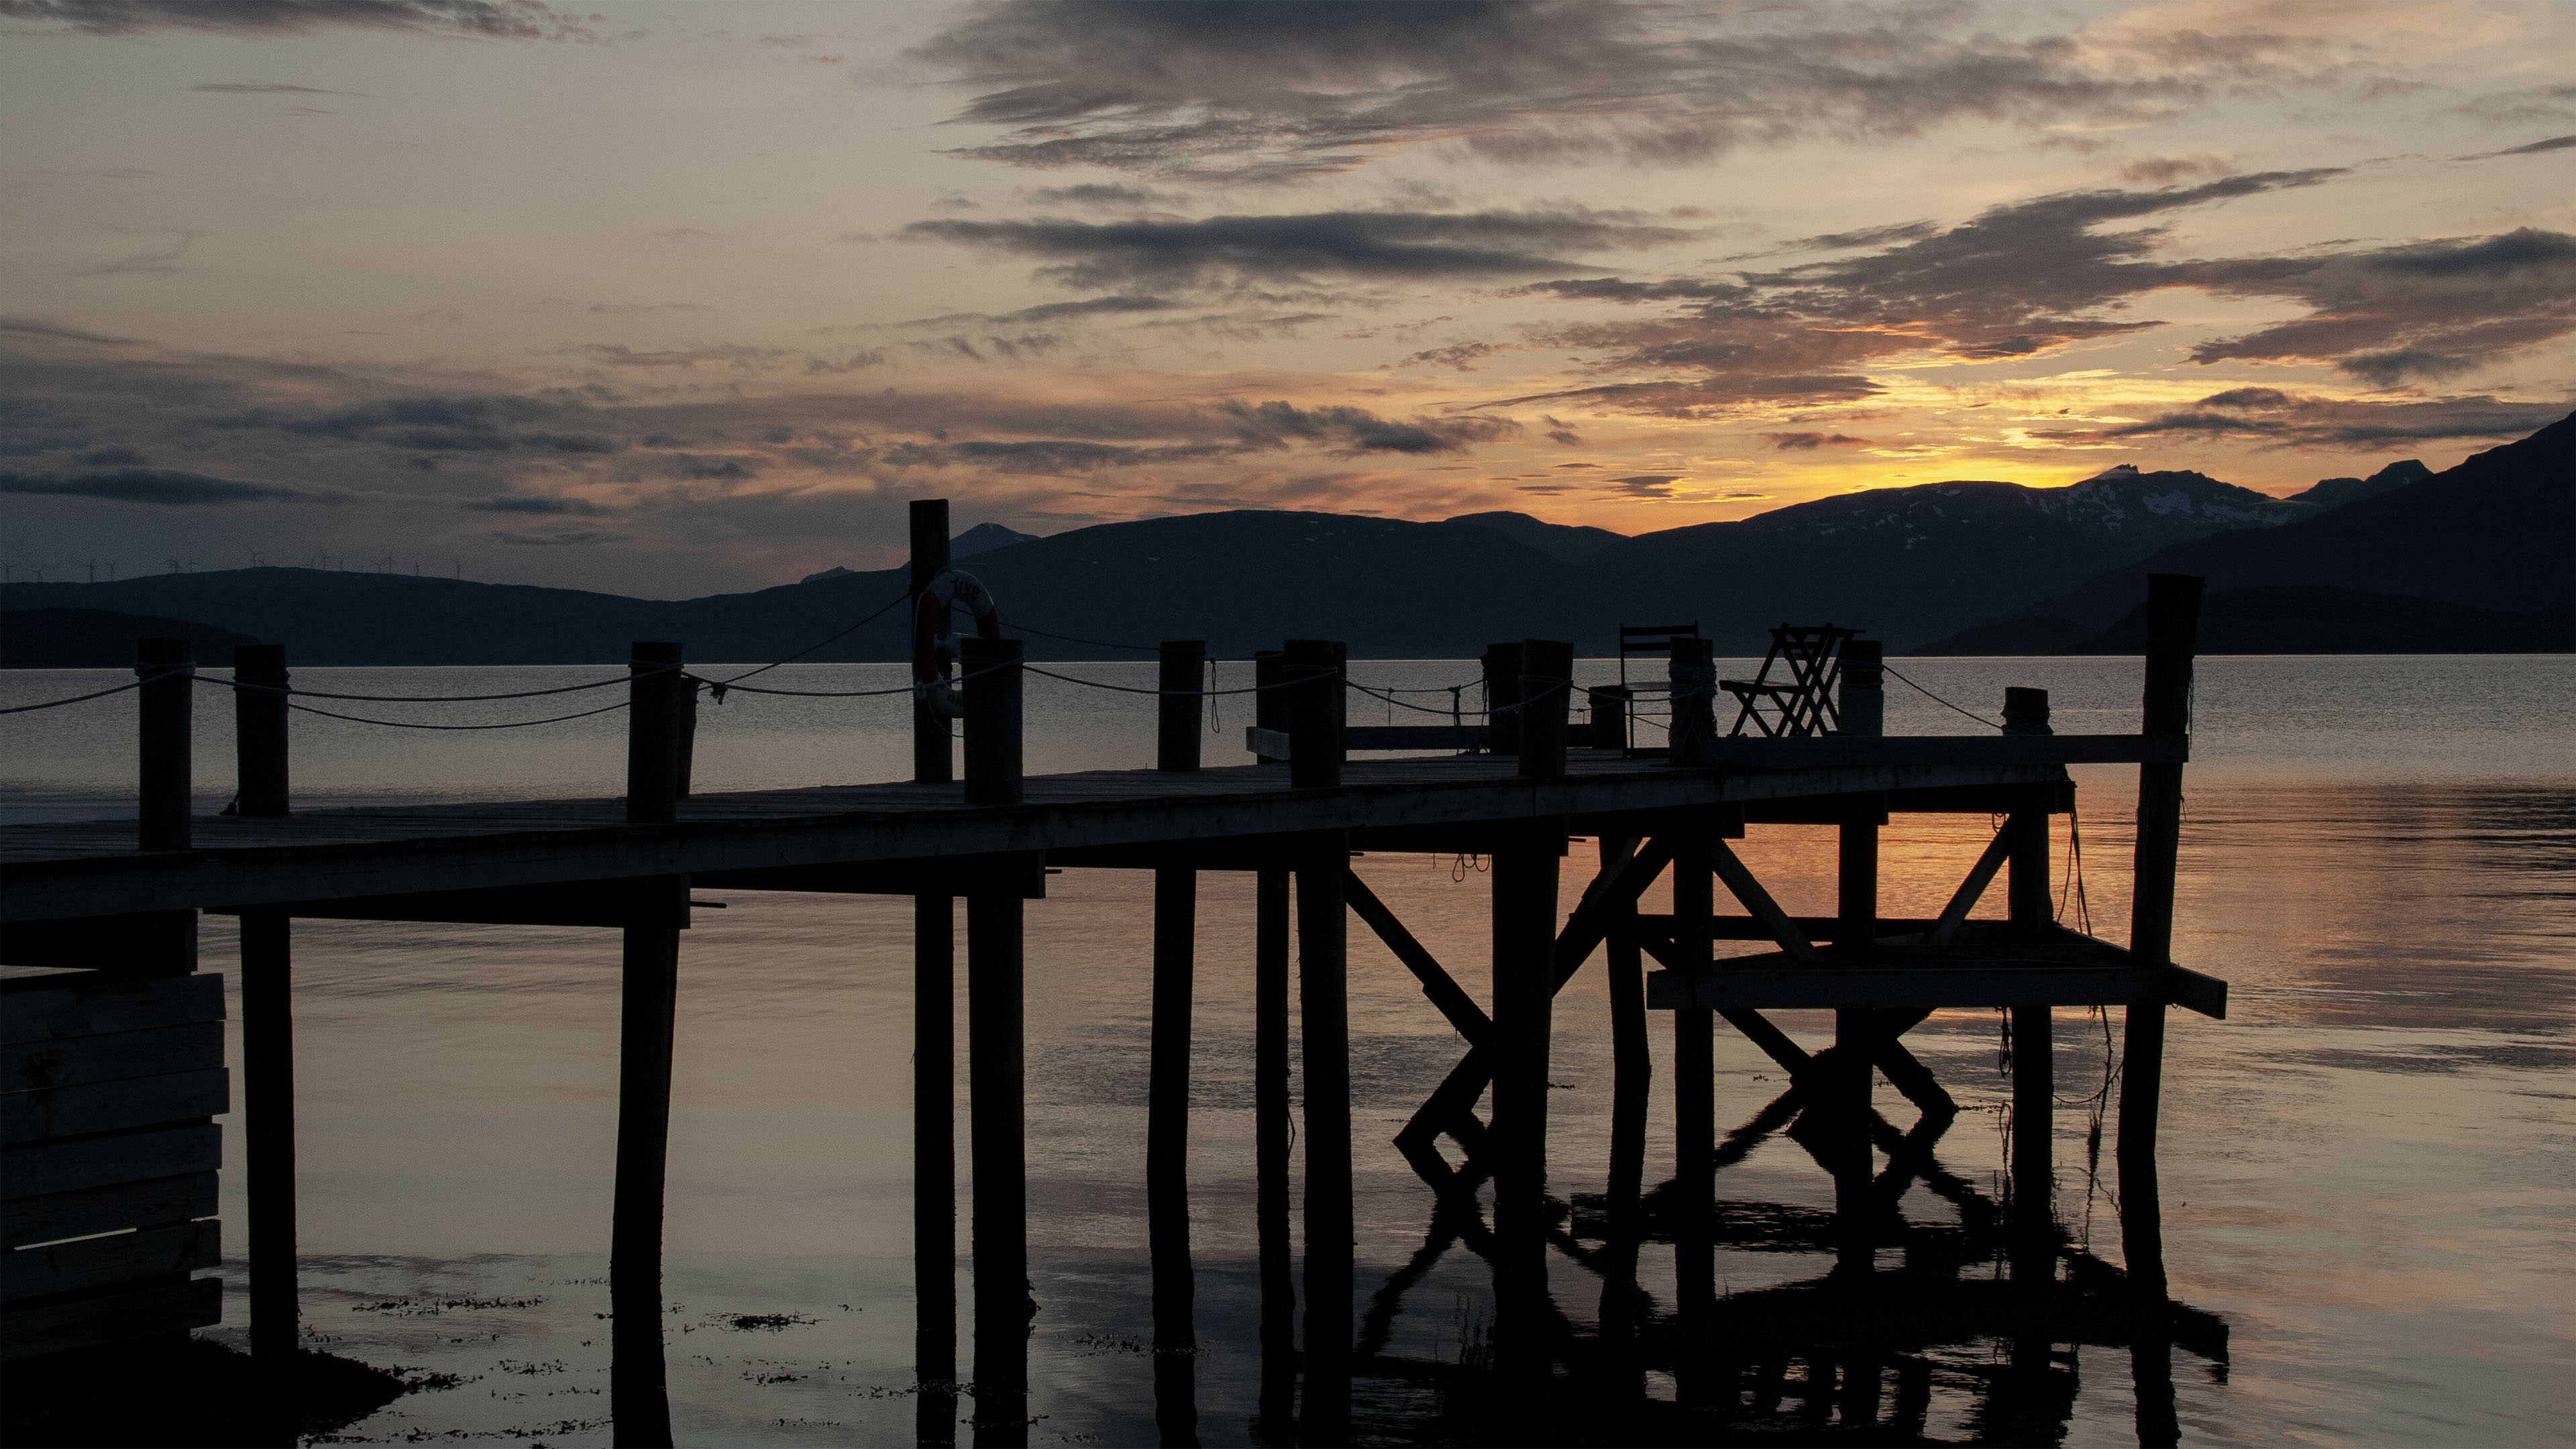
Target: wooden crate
{"x": 108, "y": 1157}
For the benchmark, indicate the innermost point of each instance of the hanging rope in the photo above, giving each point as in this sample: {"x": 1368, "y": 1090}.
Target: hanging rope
{"x": 1936, "y": 699}
{"x": 408, "y": 725}
{"x": 75, "y": 699}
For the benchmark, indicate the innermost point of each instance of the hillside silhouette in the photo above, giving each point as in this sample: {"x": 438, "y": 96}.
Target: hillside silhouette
{"x": 2478, "y": 554}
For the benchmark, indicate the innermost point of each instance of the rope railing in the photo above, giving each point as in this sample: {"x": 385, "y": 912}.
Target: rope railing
{"x": 1936, "y": 699}
{"x": 75, "y": 699}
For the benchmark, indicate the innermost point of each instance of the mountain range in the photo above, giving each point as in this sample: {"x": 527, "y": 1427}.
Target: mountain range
{"x": 2476, "y": 557}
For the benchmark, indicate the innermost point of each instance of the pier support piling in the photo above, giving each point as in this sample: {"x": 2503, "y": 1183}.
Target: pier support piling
{"x": 934, "y": 1165}
{"x": 997, "y": 1129}
{"x": 1270, "y": 1144}
{"x": 1323, "y": 1000}
{"x": 1177, "y": 732}
{"x": 992, "y": 686}
{"x": 165, "y": 747}
{"x": 648, "y": 1001}
{"x": 1694, "y": 1102}
{"x": 268, "y": 1111}
{"x": 1524, "y": 927}
{"x": 1167, "y": 1149}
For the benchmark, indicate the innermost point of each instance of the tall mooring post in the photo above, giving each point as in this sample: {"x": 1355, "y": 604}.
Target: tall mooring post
{"x": 268, "y": 1020}
{"x": 933, "y": 758}
{"x": 1524, "y": 953}
{"x": 648, "y": 1001}
{"x": 997, "y": 1056}
{"x": 1849, "y": 1082}
{"x": 1312, "y": 671}
{"x": 2173, "y": 627}
{"x": 1182, "y": 681}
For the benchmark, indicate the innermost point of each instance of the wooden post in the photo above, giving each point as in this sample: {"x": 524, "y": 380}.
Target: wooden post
{"x": 167, "y": 669}
{"x": 1547, "y": 684}
{"x": 1270, "y": 1144}
{"x": 1316, "y": 702}
{"x": 1864, "y": 688}
{"x": 997, "y": 1128}
{"x": 1694, "y": 704}
{"x": 268, "y": 1111}
{"x": 653, "y": 732}
{"x": 1857, "y": 1031}
{"x": 1632, "y": 1075}
{"x": 688, "y": 739}
{"x": 1269, "y": 701}
{"x": 1694, "y": 1104}
{"x": 933, "y": 755}
{"x": 648, "y": 999}
{"x": 1324, "y": 1025}
{"x": 2173, "y": 626}
{"x": 934, "y": 1165}
{"x": 259, "y": 730}
{"x": 992, "y": 679}
{"x": 1502, "y": 667}
{"x": 1177, "y": 730}
{"x": 1167, "y": 1147}
{"x": 1610, "y": 706}
{"x": 1524, "y": 926}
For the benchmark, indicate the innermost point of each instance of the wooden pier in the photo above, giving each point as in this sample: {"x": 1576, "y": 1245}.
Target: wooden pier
{"x": 110, "y": 907}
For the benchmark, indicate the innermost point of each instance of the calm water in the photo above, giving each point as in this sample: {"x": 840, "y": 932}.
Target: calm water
{"x": 2366, "y": 1170}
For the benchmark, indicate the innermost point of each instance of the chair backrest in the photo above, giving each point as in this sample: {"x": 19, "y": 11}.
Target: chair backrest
{"x": 1802, "y": 699}
{"x": 1651, "y": 639}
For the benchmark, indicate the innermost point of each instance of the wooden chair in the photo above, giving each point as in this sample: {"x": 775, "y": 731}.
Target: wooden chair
{"x": 1802, "y": 701}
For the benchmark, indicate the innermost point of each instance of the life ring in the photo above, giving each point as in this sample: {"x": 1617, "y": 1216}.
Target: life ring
{"x": 934, "y": 646}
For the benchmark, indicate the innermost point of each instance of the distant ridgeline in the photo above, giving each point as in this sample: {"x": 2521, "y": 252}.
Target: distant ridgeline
{"x": 2481, "y": 557}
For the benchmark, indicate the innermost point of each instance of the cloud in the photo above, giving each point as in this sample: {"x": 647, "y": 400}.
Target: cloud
{"x": 1051, "y": 312}
{"x": 496, "y": 19}
{"x": 1105, "y": 197}
{"x": 1255, "y": 91}
{"x": 1809, "y": 442}
{"x": 2554, "y": 143}
{"x": 534, "y": 503}
{"x": 1356, "y": 430}
{"x": 269, "y": 88}
{"x": 2279, "y": 419}
{"x": 1223, "y": 251}
{"x": 150, "y": 260}
{"x": 556, "y": 540}
{"x": 2029, "y": 277}
{"x": 2426, "y": 309}
{"x": 168, "y": 487}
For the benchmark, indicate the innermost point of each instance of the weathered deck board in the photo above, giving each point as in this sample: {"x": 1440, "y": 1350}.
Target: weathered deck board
{"x": 92, "y": 869}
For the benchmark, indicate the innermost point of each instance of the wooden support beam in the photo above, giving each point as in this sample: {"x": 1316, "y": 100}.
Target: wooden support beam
{"x": 650, "y": 980}
{"x": 998, "y": 1134}
{"x": 268, "y": 1120}
{"x": 934, "y": 1166}
{"x": 944, "y": 876}
{"x": 1270, "y": 1147}
{"x": 606, "y": 904}
{"x": 1167, "y": 1155}
{"x": 1749, "y": 892}
{"x": 1463, "y": 1013}
{"x": 1624, "y": 1310}
{"x": 1805, "y": 988}
{"x": 2034, "y": 1076}
{"x": 1945, "y": 928}
{"x": 1324, "y": 1025}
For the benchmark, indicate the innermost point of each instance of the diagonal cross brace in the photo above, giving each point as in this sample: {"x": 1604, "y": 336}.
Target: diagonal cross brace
{"x": 1451, "y": 1106}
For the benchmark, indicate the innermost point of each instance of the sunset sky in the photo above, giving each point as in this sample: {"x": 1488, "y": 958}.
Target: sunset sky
{"x": 668, "y": 299}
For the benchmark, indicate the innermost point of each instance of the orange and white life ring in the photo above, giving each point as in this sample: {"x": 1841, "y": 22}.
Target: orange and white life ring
{"x": 934, "y": 644}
